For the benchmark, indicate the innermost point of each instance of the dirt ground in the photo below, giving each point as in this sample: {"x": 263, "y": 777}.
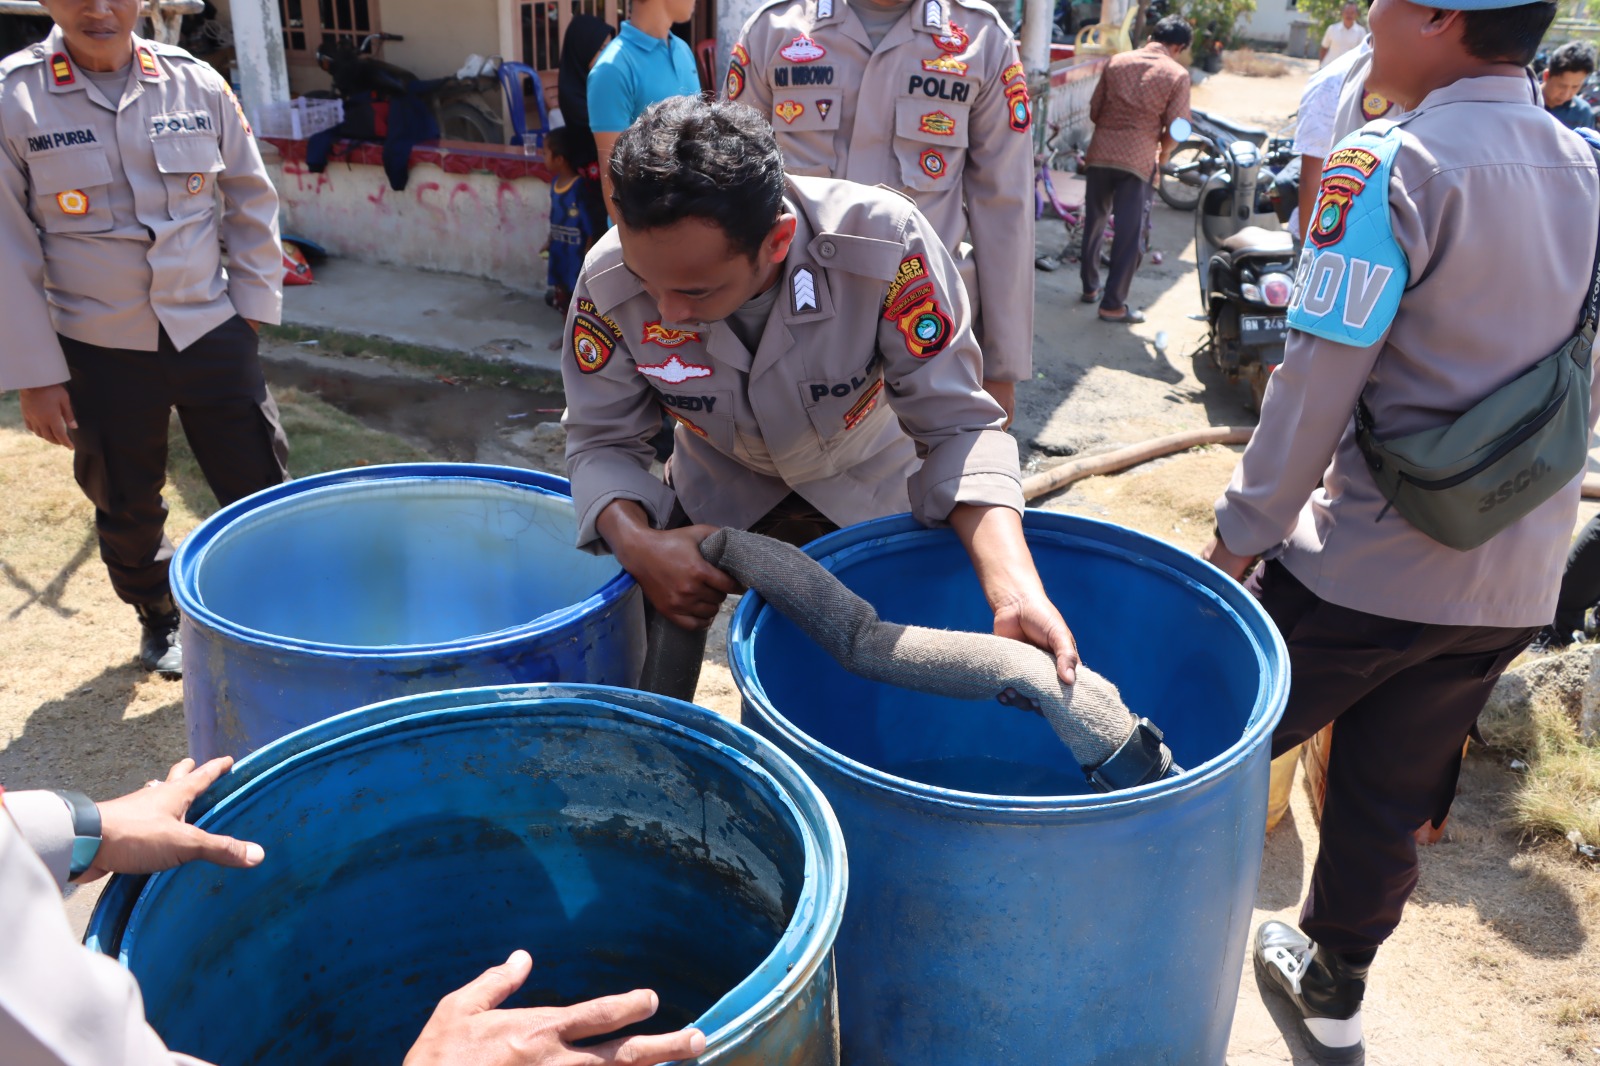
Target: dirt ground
{"x": 1495, "y": 962}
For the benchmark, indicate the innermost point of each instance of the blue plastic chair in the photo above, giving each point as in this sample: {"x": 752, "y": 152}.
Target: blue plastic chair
{"x": 511, "y": 75}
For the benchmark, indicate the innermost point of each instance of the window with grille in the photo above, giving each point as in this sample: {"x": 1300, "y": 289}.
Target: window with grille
{"x": 307, "y": 22}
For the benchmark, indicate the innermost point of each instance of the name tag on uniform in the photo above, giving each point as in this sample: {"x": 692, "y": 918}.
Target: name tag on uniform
{"x": 45, "y": 142}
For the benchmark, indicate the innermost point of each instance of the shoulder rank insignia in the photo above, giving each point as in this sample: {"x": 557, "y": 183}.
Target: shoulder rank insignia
{"x": 824, "y": 9}
{"x": 933, "y": 14}
{"x": 61, "y": 69}
{"x": 803, "y": 286}
{"x": 147, "y": 63}
{"x": 1352, "y": 271}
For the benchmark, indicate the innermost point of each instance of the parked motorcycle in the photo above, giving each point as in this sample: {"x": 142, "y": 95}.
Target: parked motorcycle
{"x": 1196, "y": 157}
{"x": 1245, "y": 258}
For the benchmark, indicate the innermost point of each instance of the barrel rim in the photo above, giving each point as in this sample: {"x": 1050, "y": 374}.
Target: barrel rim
{"x": 1037, "y": 524}
{"x": 189, "y": 556}
{"x": 803, "y": 948}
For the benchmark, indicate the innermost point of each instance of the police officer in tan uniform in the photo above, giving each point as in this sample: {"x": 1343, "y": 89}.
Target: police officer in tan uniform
{"x": 926, "y": 96}
{"x": 64, "y": 1005}
{"x": 125, "y": 166}
{"x": 812, "y": 339}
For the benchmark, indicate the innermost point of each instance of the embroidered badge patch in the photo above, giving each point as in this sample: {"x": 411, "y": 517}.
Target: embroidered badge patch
{"x": 954, "y": 39}
{"x": 735, "y": 83}
{"x": 937, "y": 123}
{"x": 243, "y": 122}
{"x": 932, "y": 163}
{"x": 925, "y": 327}
{"x": 802, "y": 50}
{"x": 674, "y": 371}
{"x": 73, "y": 202}
{"x": 594, "y": 337}
{"x": 912, "y": 269}
{"x": 656, "y": 333}
{"x": 803, "y": 287}
{"x": 147, "y": 63}
{"x": 196, "y": 184}
{"x": 61, "y": 69}
{"x": 823, "y": 107}
{"x": 1017, "y": 107}
{"x": 1333, "y": 208}
{"x": 945, "y": 64}
{"x": 741, "y": 55}
{"x": 789, "y": 110}
{"x": 684, "y": 422}
{"x": 863, "y": 406}
{"x": 1011, "y": 73}
{"x": 1374, "y": 105}
{"x": 1354, "y": 158}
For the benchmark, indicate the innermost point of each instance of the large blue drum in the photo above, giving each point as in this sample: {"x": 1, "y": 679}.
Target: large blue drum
{"x": 999, "y": 910}
{"x": 340, "y": 590}
{"x": 626, "y": 841}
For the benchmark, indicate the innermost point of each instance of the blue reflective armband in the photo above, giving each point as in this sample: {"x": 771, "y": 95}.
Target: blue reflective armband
{"x": 1352, "y": 272}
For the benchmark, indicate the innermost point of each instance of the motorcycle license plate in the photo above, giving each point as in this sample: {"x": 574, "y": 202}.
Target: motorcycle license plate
{"x": 1264, "y": 329}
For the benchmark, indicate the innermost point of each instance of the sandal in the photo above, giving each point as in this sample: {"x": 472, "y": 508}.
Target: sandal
{"x": 1128, "y": 317}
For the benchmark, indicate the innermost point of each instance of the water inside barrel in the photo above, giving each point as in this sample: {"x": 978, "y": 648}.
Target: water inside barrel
{"x": 991, "y": 776}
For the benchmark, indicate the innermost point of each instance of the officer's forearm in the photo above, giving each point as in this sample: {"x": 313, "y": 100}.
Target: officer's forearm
{"x": 621, "y": 525}
{"x": 993, "y": 538}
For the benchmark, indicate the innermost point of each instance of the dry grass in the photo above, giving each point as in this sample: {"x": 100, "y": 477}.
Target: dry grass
{"x": 1561, "y": 791}
{"x": 1252, "y": 64}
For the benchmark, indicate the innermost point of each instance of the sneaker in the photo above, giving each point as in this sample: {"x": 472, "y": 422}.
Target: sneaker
{"x": 160, "y": 650}
{"x": 1324, "y": 989}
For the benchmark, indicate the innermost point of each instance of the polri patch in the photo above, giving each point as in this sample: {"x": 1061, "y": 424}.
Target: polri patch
{"x": 954, "y": 39}
{"x": 73, "y": 202}
{"x": 789, "y": 110}
{"x": 823, "y": 107}
{"x": 1354, "y": 158}
{"x": 1011, "y": 73}
{"x": 912, "y": 269}
{"x": 674, "y": 371}
{"x": 61, "y": 69}
{"x": 734, "y": 85}
{"x": 945, "y": 64}
{"x": 656, "y": 333}
{"x": 196, "y": 184}
{"x": 1374, "y": 105}
{"x": 802, "y": 50}
{"x": 1334, "y": 199}
{"x": 918, "y": 317}
{"x": 932, "y": 163}
{"x": 803, "y": 289}
{"x": 594, "y": 336}
{"x": 937, "y": 123}
{"x": 1018, "y": 108}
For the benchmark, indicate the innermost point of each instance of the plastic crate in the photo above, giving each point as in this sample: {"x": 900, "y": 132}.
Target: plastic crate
{"x": 299, "y": 118}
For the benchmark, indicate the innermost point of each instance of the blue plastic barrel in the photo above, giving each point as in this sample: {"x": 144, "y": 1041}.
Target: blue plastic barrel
{"x": 344, "y": 589}
{"x": 999, "y": 910}
{"x": 625, "y": 840}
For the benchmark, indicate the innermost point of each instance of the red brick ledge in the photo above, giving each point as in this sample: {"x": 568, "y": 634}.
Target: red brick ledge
{"x": 453, "y": 157}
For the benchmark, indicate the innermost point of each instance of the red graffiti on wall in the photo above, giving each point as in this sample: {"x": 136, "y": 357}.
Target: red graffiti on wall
{"x": 423, "y": 200}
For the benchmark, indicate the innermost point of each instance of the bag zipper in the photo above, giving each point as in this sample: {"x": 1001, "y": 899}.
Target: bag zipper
{"x": 1506, "y": 446}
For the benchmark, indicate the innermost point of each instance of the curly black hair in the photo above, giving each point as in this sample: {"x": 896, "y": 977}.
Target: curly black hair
{"x": 687, "y": 157}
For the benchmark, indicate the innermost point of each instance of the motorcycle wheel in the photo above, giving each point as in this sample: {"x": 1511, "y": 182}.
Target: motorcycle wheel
{"x": 1174, "y": 192}
{"x": 460, "y": 121}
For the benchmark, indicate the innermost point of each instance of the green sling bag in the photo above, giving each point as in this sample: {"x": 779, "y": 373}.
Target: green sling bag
{"x": 1465, "y": 482}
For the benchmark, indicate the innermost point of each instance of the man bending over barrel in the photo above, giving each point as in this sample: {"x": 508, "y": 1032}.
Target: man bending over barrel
{"x": 813, "y": 341}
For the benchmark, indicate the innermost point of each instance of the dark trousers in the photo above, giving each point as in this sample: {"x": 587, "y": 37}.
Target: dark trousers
{"x": 123, "y": 401}
{"x": 1126, "y": 198}
{"x": 1402, "y": 697}
{"x": 673, "y": 655}
{"x": 1580, "y": 585}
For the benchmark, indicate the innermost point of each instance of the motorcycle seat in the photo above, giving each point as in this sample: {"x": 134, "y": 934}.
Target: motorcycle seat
{"x": 1254, "y": 134}
{"x": 1254, "y": 240}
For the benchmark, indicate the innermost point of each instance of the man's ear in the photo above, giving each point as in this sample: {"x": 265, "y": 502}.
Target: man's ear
{"x": 1441, "y": 21}
{"x": 780, "y": 238}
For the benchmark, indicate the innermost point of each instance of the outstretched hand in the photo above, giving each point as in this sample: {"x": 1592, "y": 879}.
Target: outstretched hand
{"x": 468, "y": 1027}
{"x": 144, "y": 831}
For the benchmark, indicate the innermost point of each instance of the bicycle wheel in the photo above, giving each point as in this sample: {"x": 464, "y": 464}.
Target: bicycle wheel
{"x": 1175, "y": 191}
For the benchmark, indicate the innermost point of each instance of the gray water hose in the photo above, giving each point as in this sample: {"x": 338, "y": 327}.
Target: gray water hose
{"x": 1116, "y": 749}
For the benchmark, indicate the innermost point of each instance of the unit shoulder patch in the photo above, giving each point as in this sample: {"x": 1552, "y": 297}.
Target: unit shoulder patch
{"x": 594, "y": 337}
{"x": 1352, "y": 272}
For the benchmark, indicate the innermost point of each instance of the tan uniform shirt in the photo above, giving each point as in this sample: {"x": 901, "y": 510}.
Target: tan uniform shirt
{"x": 110, "y": 225}
{"x": 939, "y": 110}
{"x": 1357, "y": 106}
{"x": 1494, "y": 205}
{"x": 60, "y": 1003}
{"x": 864, "y": 394}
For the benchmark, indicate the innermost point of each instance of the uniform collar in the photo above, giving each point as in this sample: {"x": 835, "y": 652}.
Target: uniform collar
{"x": 64, "y": 76}
{"x": 1493, "y": 89}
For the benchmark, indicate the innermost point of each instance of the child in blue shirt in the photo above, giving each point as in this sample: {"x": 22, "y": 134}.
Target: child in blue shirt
{"x": 576, "y": 221}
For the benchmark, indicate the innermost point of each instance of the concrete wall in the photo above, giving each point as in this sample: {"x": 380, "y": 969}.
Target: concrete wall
{"x": 476, "y": 223}
{"x": 1270, "y": 21}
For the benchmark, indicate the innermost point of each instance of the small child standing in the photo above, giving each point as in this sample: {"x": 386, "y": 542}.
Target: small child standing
{"x": 573, "y": 225}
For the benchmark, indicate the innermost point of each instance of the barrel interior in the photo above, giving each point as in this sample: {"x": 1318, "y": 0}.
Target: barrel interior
{"x": 411, "y": 561}
{"x": 398, "y": 868}
{"x": 1178, "y": 655}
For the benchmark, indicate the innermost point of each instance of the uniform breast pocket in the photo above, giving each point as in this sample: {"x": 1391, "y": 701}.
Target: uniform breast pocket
{"x": 838, "y": 407}
{"x": 189, "y": 165}
{"x": 930, "y": 140}
{"x": 707, "y": 415}
{"x": 71, "y": 191}
{"x": 807, "y": 124}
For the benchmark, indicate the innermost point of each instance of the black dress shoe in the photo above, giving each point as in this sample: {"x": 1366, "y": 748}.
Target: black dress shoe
{"x": 159, "y": 648}
{"x": 1323, "y": 988}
